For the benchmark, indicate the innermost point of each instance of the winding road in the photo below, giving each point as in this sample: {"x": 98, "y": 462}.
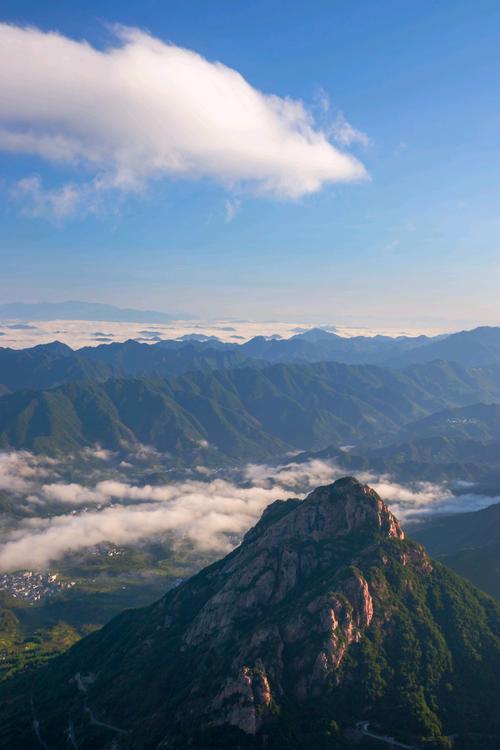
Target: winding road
{"x": 364, "y": 727}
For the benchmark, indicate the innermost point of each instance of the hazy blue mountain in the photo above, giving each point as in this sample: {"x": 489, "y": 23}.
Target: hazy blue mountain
{"x": 479, "y": 422}
{"x": 193, "y": 352}
{"x": 166, "y": 358}
{"x": 318, "y": 345}
{"x": 323, "y": 617}
{"x": 45, "y": 366}
{"x": 480, "y": 565}
{"x": 449, "y": 445}
{"x": 469, "y": 543}
{"x": 478, "y": 347}
{"x": 77, "y": 310}
{"x": 447, "y": 534}
{"x": 48, "y": 365}
{"x": 239, "y": 413}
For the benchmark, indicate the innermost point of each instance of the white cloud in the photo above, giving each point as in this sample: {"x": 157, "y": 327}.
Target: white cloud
{"x": 208, "y": 514}
{"x": 41, "y": 203}
{"x": 293, "y": 476}
{"x": 97, "y": 453}
{"x": 19, "y": 470}
{"x": 322, "y": 100}
{"x": 231, "y": 208}
{"x": 345, "y": 134}
{"x": 211, "y": 514}
{"x": 143, "y": 109}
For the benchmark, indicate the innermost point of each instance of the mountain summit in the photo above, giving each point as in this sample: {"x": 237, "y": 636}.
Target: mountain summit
{"x": 325, "y": 616}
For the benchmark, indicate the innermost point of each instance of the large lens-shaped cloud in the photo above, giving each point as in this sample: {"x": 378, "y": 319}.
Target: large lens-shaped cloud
{"x": 144, "y": 109}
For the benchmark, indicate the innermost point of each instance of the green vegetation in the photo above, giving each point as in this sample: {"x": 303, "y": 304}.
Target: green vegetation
{"x": 424, "y": 668}
{"x": 32, "y": 632}
{"x": 18, "y": 649}
{"x": 239, "y": 414}
{"x": 468, "y": 543}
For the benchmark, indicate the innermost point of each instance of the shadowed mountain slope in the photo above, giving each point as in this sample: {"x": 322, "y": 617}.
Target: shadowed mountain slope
{"x": 241, "y": 413}
{"x": 324, "y": 616}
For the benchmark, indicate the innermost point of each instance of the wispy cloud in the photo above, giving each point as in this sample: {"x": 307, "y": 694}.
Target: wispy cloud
{"x": 322, "y": 100}
{"x": 231, "y": 208}
{"x": 345, "y": 134}
{"x": 143, "y": 109}
{"x": 212, "y": 513}
{"x": 391, "y": 246}
{"x": 58, "y": 204}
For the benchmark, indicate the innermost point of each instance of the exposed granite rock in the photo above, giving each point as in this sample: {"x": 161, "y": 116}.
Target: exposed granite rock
{"x": 271, "y": 563}
{"x": 324, "y": 598}
{"x": 293, "y": 543}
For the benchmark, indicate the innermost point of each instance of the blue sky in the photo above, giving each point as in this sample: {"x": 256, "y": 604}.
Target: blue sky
{"x": 413, "y": 240}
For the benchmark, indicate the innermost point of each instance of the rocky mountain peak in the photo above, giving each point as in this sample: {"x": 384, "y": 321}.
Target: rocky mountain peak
{"x": 316, "y": 618}
{"x": 293, "y": 543}
{"x": 346, "y": 507}
{"x": 353, "y": 507}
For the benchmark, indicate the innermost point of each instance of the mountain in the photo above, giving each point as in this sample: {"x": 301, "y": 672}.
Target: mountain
{"x": 469, "y": 543}
{"x": 319, "y": 345}
{"x": 244, "y": 413}
{"x": 436, "y": 459}
{"x": 49, "y": 365}
{"x": 475, "y": 348}
{"x": 481, "y": 566}
{"x": 324, "y": 617}
{"x": 479, "y": 422}
{"x": 171, "y": 357}
{"x": 45, "y": 366}
{"x": 447, "y": 534}
{"x": 166, "y": 358}
{"x": 455, "y": 444}
{"x": 77, "y": 310}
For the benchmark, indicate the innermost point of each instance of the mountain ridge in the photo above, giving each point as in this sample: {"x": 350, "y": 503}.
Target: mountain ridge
{"x": 242, "y": 412}
{"x": 323, "y": 616}
{"x": 79, "y": 310}
{"x": 46, "y": 365}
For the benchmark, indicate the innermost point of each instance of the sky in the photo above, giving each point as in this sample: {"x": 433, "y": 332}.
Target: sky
{"x": 336, "y": 160}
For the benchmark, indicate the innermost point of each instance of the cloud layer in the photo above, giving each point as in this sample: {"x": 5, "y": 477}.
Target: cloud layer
{"x": 212, "y": 515}
{"x": 63, "y": 516}
{"x": 143, "y": 109}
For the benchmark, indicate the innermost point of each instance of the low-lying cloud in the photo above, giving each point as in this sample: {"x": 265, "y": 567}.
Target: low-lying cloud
{"x": 143, "y": 109}
{"x": 208, "y": 511}
{"x": 21, "y": 470}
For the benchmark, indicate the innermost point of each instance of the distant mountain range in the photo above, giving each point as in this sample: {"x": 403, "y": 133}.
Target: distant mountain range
{"x": 50, "y": 365}
{"x": 53, "y": 364}
{"x": 38, "y": 367}
{"x": 478, "y": 347}
{"x": 243, "y": 413}
{"x": 469, "y": 543}
{"x": 323, "y": 621}
{"x": 76, "y": 310}
{"x": 449, "y": 445}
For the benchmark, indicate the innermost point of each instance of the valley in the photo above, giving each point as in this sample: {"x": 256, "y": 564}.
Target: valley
{"x": 116, "y": 490}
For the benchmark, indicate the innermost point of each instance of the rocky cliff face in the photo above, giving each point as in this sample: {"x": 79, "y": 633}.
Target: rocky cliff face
{"x": 277, "y": 558}
{"x": 325, "y": 613}
{"x": 279, "y": 555}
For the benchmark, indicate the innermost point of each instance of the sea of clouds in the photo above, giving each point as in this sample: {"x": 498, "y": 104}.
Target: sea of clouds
{"x": 17, "y": 334}
{"x": 57, "y": 515}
